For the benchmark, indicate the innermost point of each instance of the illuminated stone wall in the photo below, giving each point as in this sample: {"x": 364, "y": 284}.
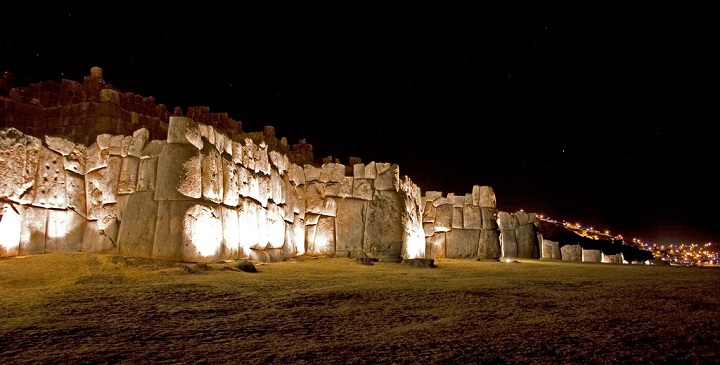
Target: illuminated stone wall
{"x": 86, "y": 167}
{"x": 198, "y": 196}
{"x": 457, "y": 226}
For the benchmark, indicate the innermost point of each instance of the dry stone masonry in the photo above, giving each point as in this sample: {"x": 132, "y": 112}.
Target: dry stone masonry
{"x": 85, "y": 167}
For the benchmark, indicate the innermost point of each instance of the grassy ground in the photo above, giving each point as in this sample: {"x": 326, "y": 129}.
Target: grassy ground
{"x": 77, "y": 308}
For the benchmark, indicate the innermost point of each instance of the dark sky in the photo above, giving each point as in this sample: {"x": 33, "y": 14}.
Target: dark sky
{"x": 607, "y": 121}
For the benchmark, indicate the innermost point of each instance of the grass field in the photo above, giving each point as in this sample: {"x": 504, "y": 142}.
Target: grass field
{"x": 78, "y": 308}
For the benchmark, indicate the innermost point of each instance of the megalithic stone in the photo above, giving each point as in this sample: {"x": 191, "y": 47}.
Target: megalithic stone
{"x": 212, "y": 174}
{"x": 183, "y": 130}
{"x": 508, "y": 243}
{"x": 127, "y": 183}
{"x": 147, "y": 173}
{"x": 388, "y": 177}
{"x": 527, "y": 242}
{"x": 19, "y": 156}
{"x": 443, "y": 218}
{"x": 275, "y": 226}
{"x": 489, "y": 247}
{"x": 231, "y": 183}
{"x": 137, "y": 229}
{"x": 202, "y": 234}
{"x": 101, "y": 186}
{"x": 231, "y": 233}
{"x": 50, "y": 182}
{"x": 65, "y": 231}
{"x": 10, "y": 226}
{"x": 324, "y": 243}
{"x": 435, "y": 246}
{"x": 33, "y": 229}
{"x": 383, "y": 234}
{"x": 179, "y": 173}
{"x": 472, "y": 217}
{"x": 571, "y": 252}
{"x": 350, "y": 220}
{"x": 462, "y": 243}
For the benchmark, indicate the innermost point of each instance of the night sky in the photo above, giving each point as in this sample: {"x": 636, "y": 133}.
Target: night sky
{"x": 606, "y": 121}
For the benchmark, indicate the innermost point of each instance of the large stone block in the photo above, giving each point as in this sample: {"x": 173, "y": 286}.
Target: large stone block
{"x": 388, "y": 177}
{"x": 231, "y": 234}
{"x": 101, "y": 186}
{"x": 276, "y": 184}
{"x": 178, "y": 173}
{"x": 212, "y": 174}
{"x": 50, "y": 190}
{"x": 295, "y": 238}
{"x": 75, "y": 186}
{"x": 527, "y": 242}
{"x": 254, "y": 188}
{"x": 506, "y": 220}
{"x": 252, "y": 219}
{"x": 33, "y": 229}
{"x": 184, "y": 130}
{"x": 127, "y": 183}
{"x": 168, "y": 238}
{"x": 489, "y": 218}
{"x": 370, "y": 170}
{"x": 275, "y": 226}
{"x": 550, "y": 250}
{"x": 312, "y": 173}
{"x": 262, "y": 162}
{"x": 571, "y": 252}
{"x": 280, "y": 161}
{"x": 489, "y": 247}
{"x": 591, "y": 255}
{"x": 315, "y": 197}
{"x": 96, "y": 158}
{"x": 76, "y": 161}
{"x": 297, "y": 174}
{"x": 350, "y": 224}
{"x": 237, "y": 152}
{"x": 100, "y": 237}
{"x": 485, "y": 196}
{"x": 153, "y": 149}
{"x": 137, "y": 228}
{"x": 430, "y": 212}
{"x": 363, "y": 189}
{"x": 263, "y": 189}
{"x": 508, "y": 244}
{"x": 332, "y": 189}
{"x": 323, "y": 242}
{"x": 65, "y": 231}
{"x": 457, "y": 217}
{"x": 147, "y": 173}
{"x": 202, "y": 234}
{"x": 345, "y": 187}
{"x": 472, "y": 217}
{"x": 429, "y": 228}
{"x": 612, "y": 258}
{"x": 10, "y": 226}
{"x": 137, "y": 142}
{"x": 435, "y": 246}
{"x": 59, "y": 144}
{"x": 384, "y": 230}
{"x": 443, "y": 218}
{"x": 332, "y": 172}
{"x": 249, "y": 155}
{"x": 522, "y": 218}
{"x": 359, "y": 171}
{"x": 462, "y": 243}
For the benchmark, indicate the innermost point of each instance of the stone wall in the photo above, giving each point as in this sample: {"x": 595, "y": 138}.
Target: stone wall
{"x": 461, "y": 226}
{"x": 85, "y": 167}
{"x": 198, "y": 196}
